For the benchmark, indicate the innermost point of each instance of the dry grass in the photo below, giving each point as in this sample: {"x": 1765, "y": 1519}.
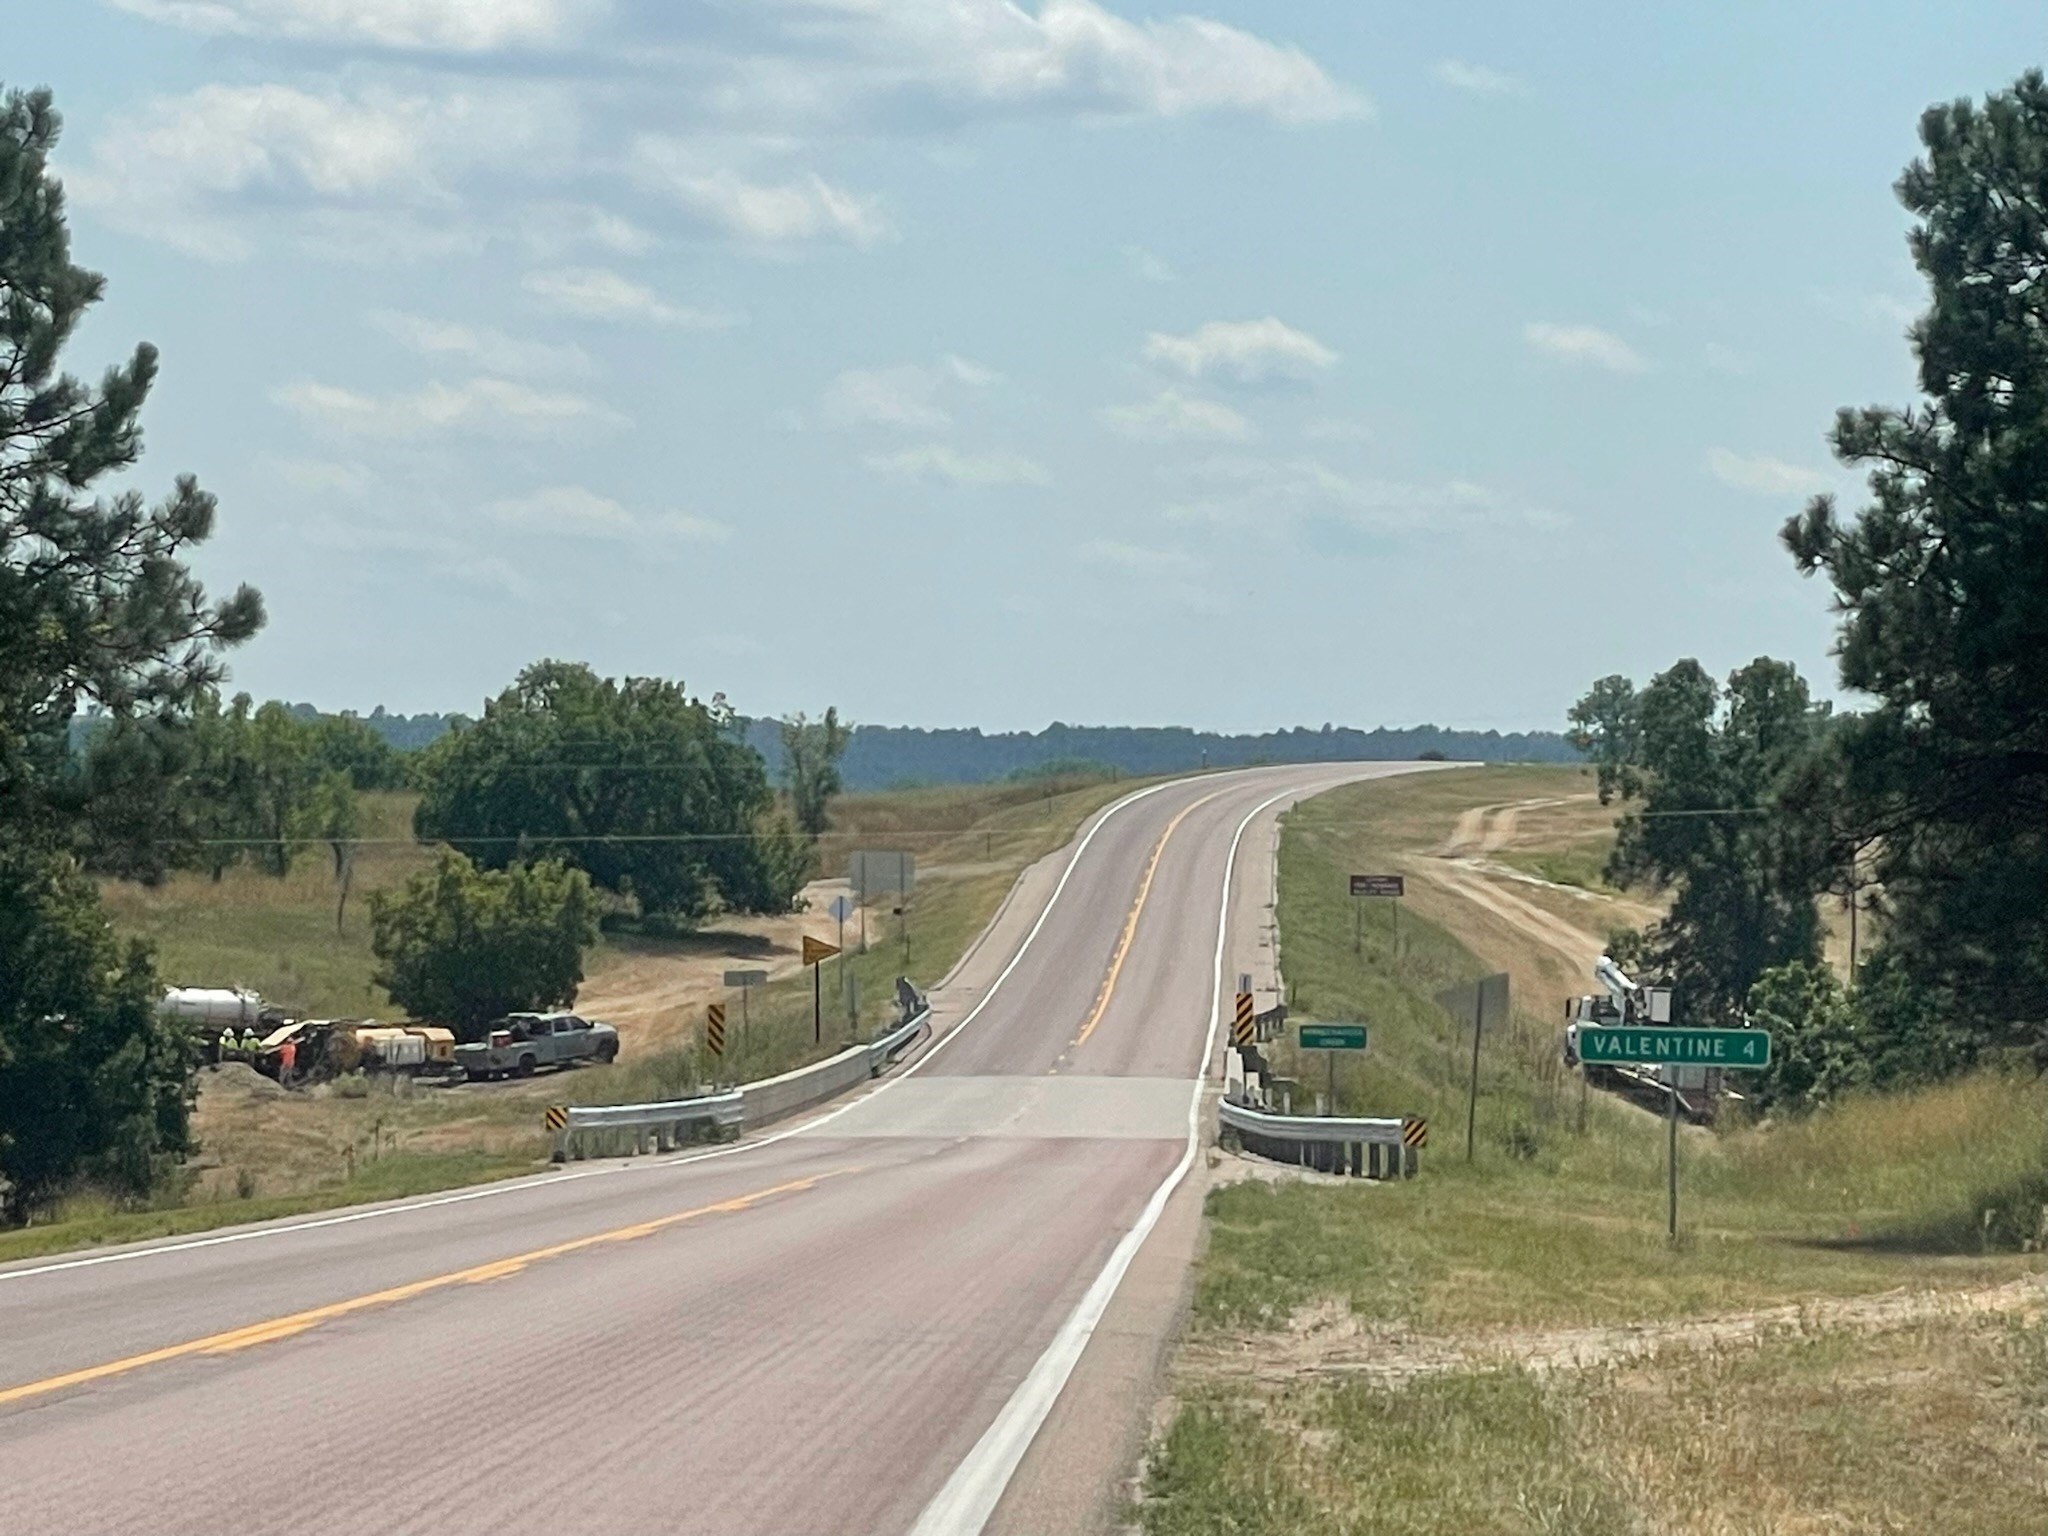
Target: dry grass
{"x": 1940, "y": 1425}
{"x": 265, "y": 1153}
{"x": 1919, "y": 1417}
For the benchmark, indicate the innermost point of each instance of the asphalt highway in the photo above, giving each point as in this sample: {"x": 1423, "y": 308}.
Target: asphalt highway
{"x": 855, "y": 1322}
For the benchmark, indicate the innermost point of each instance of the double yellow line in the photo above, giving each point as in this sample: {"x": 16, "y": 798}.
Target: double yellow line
{"x": 1123, "y": 943}
{"x": 298, "y": 1322}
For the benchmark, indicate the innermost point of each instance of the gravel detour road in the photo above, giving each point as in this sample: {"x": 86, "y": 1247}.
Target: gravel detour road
{"x": 940, "y": 1301}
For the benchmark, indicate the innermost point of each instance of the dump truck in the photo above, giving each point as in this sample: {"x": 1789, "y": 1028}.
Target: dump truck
{"x": 520, "y": 1044}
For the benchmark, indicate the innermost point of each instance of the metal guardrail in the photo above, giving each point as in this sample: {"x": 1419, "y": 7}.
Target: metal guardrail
{"x": 1373, "y": 1147}
{"x": 884, "y": 1049}
{"x": 629, "y": 1129}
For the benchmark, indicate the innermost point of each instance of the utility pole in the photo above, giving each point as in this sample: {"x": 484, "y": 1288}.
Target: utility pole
{"x": 1472, "y": 1098}
{"x": 1671, "y": 1166}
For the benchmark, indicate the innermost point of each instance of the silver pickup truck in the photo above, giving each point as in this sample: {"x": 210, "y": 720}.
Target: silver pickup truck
{"x": 521, "y": 1043}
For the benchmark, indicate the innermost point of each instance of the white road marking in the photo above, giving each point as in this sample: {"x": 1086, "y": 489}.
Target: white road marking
{"x": 970, "y": 1495}
{"x": 515, "y": 1186}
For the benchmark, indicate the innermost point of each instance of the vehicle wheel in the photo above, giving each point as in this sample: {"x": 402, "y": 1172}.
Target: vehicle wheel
{"x": 609, "y": 1053}
{"x": 475, "y": 1077}
{"x": 525, "y": 1068}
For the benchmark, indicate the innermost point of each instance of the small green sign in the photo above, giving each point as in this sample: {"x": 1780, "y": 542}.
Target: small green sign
{"x": 1746, "y": 1049}
{"x": 1333, "y": 1037}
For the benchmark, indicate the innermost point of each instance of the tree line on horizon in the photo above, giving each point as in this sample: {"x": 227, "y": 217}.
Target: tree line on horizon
{"x": 898, "y": 756}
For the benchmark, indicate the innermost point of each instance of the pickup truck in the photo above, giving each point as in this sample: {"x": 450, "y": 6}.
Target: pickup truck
{"x": 520, "y": 1043}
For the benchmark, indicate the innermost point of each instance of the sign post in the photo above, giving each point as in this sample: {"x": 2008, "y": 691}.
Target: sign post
{"x": 878, "y": 871}
{"x": 841, "y": 909}
{"x": 1741, "y": 1050}
{"x": 1391, "y": 886}
{"x": 1330, "y": 1039}
{"x": 746, "y": 981}
{"x": 816, "y": 952}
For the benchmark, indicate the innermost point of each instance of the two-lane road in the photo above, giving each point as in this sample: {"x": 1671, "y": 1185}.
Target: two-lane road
{"x": 854, "y": 1324}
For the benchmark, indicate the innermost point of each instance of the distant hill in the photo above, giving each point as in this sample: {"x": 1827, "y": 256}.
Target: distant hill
{"x": 880, "y": 756}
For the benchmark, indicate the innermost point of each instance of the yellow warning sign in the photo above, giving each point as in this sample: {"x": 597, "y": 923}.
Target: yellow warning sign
{"x": 1242, "y": 1025}
{"x": 714, "y": 1028}
{"x": 817, "y": 949}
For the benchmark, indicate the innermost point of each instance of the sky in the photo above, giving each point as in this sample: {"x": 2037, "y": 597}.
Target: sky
{"x": 970, "y": 362}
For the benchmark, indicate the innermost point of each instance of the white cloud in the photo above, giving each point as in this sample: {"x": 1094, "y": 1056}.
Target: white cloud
{"x": 1727, "y": 360}
{"x": 1584, "y": 344}
{"x": 1764, "y": 475}
{"x": 1476, "y": 78}
{"x": 1241, "y": 351}
{"x": 936, "y": 461}
{"x": 804, "y": 207}
{"x": 457, "y": 26}
{"x": 491, "y": 350}
{"x": 1336, "y": 429}
{"x": 457, "y": 559}
{"x": 1278, "y": 495}
{"x": 1173, "y": 574}
{"x": 907, "y": 396}
{"x": 494, "y": 407}
{"x": 950, "y": 59}
{"x": 1146, "y": 266}
{"x": 582, "y": 513}
{"x": 204, "y": 170}
{"x": 1172, "y": 415}
{"x": 595, "y": 293}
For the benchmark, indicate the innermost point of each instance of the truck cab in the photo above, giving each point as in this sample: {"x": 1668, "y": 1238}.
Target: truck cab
{"x": 519, "y": 1044}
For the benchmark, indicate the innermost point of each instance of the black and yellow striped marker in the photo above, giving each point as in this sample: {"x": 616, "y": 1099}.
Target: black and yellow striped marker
{"x": 557, "y": 1116}
{"x": 1414, "y": 1131}
{"x": 714, "y": 1028}
{"x": 1241, "y": 1026}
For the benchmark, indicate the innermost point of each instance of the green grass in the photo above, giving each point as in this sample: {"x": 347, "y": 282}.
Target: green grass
{"x": 278, "y": 936}
{"x": 265, "y": 1155}
{"x": 1559, "y": 1221}
{"x": 1584, "y": 864}
{"x": 1938, "y": 1426}
{"x": 1556, "y": 1221}
{"x": 971, "y": 843}
{"x": 91, "y": 1221}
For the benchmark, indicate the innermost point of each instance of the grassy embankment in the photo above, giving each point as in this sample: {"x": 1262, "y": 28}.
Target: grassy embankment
{"x": 1386, "y": 1357}
{"x": 267, "y": 1154}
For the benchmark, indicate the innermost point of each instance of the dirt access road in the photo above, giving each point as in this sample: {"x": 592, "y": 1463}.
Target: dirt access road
{"x": 654, "y": 992}
{"x": 1546, "y": 935}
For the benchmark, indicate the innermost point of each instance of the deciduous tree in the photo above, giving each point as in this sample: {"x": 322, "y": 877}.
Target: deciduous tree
{"x": 465, "y": 945}
{"x": 647, "y": 789}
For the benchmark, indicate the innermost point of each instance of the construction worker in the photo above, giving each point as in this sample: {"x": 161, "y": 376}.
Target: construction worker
{"x": 224, "y": 1048}
{"x": 249, "y": 1044}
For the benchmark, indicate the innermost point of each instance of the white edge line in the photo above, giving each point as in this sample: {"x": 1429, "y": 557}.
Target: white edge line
{"x": 515, "y": 1186}
{"x": 962, "y": 1507}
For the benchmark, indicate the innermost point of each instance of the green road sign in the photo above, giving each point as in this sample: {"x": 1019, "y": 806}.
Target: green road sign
{"x": 1333, "y": 1037}
{"x": 1741, "y": 1048}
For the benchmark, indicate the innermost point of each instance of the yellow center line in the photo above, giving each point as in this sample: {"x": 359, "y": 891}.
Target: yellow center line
{"x": 298, "y": 1322}
{"x": 1123, "y": 943}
